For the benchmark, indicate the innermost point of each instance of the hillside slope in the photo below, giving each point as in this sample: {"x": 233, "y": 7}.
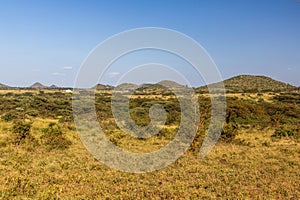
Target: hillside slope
{"x": 2, "y": 86}
{"x": 250, "y": 83}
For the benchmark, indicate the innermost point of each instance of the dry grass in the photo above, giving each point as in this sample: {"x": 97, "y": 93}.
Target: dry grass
{"x": 252, "y": 167}
{"x": 267, "y": 97}
{"x": 33, "y": 91}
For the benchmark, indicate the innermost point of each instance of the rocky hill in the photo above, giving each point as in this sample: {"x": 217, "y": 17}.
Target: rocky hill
{"x": 38, "y": 85}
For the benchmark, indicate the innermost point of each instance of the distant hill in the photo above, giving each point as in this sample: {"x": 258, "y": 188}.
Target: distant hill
{"x": 53, "y": 87}
{"x": 171, "y": 84}
{"x": 237, "y": 84}
{"x": 102, "y": 87}
{"x": 250, "y": 83}
{"x": 38, "y": 85}
{"x": 160, "y": 85}
{"x": 150, "y": 86}
{"x": 127, "y": 86}
{"x": 2, "y": 86}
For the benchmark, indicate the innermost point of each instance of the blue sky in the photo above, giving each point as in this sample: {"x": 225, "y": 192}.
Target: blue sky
{"x": 47, "y": 41}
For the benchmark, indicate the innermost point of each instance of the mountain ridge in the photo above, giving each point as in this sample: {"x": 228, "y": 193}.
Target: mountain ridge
{"x": 239, "y": 84}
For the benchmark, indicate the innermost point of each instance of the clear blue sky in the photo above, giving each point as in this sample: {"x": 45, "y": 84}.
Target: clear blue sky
{"x": 47, "y": 41}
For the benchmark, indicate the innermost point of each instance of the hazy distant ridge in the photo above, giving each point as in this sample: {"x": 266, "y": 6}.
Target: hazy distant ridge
{"x": 2, "y": 86}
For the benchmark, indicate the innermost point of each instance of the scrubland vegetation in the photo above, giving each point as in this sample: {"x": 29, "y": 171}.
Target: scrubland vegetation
{"x": 257, "y": 156}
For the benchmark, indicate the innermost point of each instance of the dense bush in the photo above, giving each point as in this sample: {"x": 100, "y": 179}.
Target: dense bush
{"x": 140, "y": 116}
{"x": 229, "y": 131}
{"x": 285, "y": 131}
{"x": 251, "y": 111}
{"x": 44, "y": 105}
{"x": 21, "y": 131}
{"x": 9, "y": 116}
{"x": 53, "y": 137}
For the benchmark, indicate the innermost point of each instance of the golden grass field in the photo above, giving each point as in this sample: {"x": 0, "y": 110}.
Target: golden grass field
{"x": 252, "y": 167}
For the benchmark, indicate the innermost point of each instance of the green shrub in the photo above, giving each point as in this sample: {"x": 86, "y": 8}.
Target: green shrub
{"x": 260, "y": 100}
{"x": 10, "y": 116}
{"x": 21, "y": 131}
{"x": 285, "y": 131}
{"x": 32, "y": 113}
{"x": 66, "y": 118}
{"x": 229, "y": 131}
{"x": 54, "y": 138}
{"x": 140, "y": 116}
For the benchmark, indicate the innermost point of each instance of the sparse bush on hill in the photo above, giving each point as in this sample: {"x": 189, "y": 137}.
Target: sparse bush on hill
{"x": 287, "y": 98}
{"x": 251, "y": 84}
